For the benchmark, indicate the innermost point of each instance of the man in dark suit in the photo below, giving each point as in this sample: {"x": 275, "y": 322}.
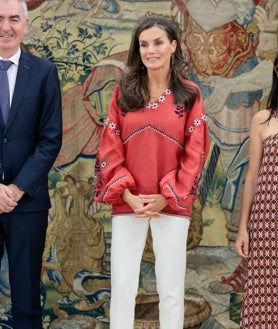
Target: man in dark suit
{"x": 30, "y": 140}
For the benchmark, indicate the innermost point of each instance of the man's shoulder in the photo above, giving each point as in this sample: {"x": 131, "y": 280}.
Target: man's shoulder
{"x": 26, "y": 56}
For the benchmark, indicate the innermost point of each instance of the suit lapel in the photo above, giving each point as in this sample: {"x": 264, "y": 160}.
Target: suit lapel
{"x": 23, "y": 73}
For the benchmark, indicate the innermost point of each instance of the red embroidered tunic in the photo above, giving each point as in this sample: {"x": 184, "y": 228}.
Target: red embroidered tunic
{"x": 157, "y": 149}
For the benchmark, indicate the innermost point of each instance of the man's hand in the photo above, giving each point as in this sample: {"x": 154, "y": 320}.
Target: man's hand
{"x": 17, "y": 192}
{"x": 7, "y": 199}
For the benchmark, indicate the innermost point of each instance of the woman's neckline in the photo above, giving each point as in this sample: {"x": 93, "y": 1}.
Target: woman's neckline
{"x": 154, "y": 104}
{"x": 163, "y": 93}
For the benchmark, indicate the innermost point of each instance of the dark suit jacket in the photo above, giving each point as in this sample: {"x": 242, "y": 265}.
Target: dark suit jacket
{"x": 32, "y": 137}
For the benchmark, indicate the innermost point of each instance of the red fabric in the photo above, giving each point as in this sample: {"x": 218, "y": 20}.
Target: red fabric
{"x": 219, "y": 52}
{"x": 158, "y": 149}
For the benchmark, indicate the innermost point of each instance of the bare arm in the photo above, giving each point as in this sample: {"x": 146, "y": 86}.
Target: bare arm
{"x": 255, "y": 158}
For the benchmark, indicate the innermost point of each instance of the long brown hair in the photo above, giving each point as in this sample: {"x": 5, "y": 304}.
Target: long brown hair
{"x": 272, "y": 102}
{"x": 134, "y": 84}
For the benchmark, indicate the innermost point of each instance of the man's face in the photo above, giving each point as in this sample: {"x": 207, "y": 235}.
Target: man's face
{"x": 13, "y": 25}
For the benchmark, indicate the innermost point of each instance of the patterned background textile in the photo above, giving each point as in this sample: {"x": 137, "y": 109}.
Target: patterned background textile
{"x": 230, "y": 51}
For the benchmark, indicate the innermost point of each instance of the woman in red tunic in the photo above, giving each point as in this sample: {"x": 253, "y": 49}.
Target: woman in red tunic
{"x": 149, "y": 165}
{"x": 257, "y": 239}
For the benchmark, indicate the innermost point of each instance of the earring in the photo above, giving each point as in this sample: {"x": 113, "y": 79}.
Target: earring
{"x": 173, "y": 59}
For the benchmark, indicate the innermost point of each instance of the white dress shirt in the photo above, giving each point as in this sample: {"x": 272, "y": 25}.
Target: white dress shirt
{"x": 12, "y": 71}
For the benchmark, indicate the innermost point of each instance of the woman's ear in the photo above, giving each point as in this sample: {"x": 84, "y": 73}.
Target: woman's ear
{"x": 174, "y": 46}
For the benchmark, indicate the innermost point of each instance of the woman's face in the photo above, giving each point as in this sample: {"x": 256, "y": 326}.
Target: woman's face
{"x": 156, "y": 49}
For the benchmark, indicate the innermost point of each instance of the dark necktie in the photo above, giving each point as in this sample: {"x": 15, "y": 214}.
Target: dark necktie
{"x": 4, "y": 89}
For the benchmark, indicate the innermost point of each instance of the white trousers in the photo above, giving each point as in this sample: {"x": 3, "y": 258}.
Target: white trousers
{"x": 129, "y": 236}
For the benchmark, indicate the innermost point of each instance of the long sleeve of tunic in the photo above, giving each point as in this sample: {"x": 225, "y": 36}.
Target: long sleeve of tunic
{"x": 160, "y": 148}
